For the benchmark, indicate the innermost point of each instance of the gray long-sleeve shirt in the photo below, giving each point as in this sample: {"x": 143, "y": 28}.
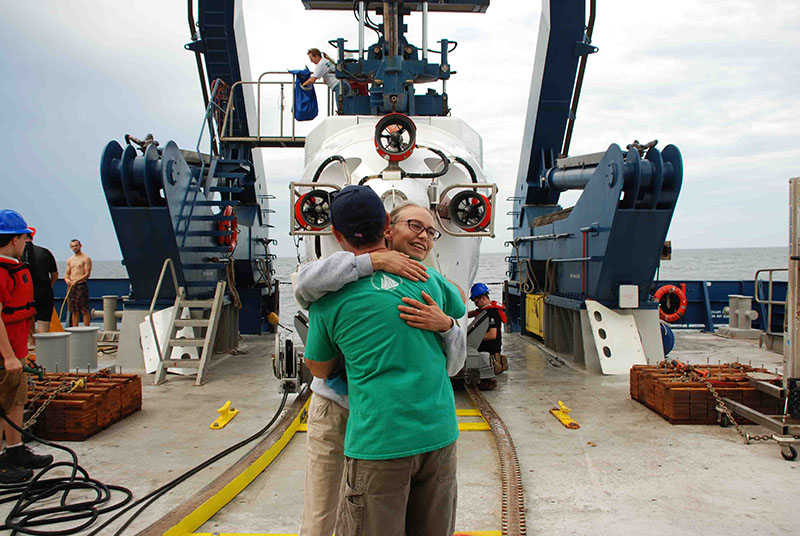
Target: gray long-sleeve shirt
{"x": 316, "y": 279}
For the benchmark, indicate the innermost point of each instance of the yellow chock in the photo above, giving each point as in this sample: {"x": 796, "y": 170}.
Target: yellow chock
{"x": 226, "y": 413}
{"x": 562, "y": 414}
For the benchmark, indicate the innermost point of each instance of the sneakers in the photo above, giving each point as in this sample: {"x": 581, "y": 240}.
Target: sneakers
{"x": 22, "y": 456}
{"x": 499, "y": 363}
{"x": 10, "y": 474}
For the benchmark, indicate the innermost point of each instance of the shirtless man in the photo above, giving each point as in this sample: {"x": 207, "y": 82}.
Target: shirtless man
{"x": 79, "y": 268}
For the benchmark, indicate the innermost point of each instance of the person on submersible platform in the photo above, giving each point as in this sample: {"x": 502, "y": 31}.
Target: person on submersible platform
{"x": 16, "y": 303}
{"x": 409, "y": 236}
{"x": 493, "y": 339}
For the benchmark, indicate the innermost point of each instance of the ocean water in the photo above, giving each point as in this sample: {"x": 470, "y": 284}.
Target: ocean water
{"x": 686, "y": 264}
{"x": 707, "y": 264}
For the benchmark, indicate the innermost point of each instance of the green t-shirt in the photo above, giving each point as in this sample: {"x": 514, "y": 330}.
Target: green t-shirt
{"x": 401, "y": 400}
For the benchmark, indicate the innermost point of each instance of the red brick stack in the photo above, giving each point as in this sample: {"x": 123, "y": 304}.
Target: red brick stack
{"x": 680, "y": 402}
{"x": 104, "y": 399}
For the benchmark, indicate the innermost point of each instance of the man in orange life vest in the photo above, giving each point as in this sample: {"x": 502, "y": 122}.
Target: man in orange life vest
{"x": 493, "y": 339}
{"x": 17, "y": 311}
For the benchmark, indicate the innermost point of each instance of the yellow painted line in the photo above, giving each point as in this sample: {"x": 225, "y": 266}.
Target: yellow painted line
{"x": 457, "y": 533}
{"x": 205, "y": 511}
{"x": 474, "y": 426}
{"x": 463, "y": 426}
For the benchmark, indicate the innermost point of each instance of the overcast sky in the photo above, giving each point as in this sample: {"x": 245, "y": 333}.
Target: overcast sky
{"x": 719, "y": 79}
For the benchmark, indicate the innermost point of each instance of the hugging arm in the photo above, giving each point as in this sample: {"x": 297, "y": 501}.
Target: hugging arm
{"x": 429, "y": 316}
{"x": 317, "y": 278}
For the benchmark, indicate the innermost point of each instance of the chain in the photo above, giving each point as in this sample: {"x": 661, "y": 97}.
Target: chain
{"x": 744, "y": 435}
{"x": 65, "y": 387}
{"x": 688, "y": 370}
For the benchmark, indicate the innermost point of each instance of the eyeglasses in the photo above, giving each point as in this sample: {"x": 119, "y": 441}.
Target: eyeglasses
{"x": 416, "y": 227}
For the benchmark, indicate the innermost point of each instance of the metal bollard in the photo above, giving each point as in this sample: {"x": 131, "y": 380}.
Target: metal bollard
{"x": 83, "y": 346}
{"x": 53, "y": 350}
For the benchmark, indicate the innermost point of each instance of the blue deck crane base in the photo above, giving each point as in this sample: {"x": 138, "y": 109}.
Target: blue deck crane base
{"x": 450, "y": 6}
{"x": 614, "y": 233}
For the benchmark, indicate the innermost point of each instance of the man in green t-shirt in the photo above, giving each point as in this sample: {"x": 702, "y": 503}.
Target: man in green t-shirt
{"x": 400, "y": 442}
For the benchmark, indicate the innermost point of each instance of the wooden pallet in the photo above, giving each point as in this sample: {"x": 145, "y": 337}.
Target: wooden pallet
{"x": 680, "y": 402}
{"x": 103, "y": 400}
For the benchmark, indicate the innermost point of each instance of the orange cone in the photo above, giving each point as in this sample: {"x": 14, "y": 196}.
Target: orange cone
{"x": 55, "y": 322}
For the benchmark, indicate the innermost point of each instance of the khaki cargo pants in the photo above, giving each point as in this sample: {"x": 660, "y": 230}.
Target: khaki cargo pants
{"x": 327, "y": 422}
{"x": 411, "y": 496}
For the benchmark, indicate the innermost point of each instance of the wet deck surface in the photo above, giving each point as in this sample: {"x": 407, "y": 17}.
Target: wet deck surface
{"x": 625, "y": 471}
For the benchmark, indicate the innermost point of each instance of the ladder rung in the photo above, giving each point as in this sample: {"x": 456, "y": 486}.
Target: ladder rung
{"x": 187, "y": 342}
{"x": 182, "y": 363}
{"x": 201, "y": 284}
{"x": 193, "y": 322}
{"x": 229, "y": 175}
{"x": 198, "y": 304}
{"x": 227, "y": 189}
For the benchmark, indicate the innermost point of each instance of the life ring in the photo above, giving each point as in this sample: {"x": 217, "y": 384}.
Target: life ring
{"x": 665, "y": 306}
{"x": 231, "y": 226}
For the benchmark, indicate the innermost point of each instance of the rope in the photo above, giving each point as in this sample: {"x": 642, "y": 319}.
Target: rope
{"x": 231, "y": 277}
{"x": 64, "y": 303}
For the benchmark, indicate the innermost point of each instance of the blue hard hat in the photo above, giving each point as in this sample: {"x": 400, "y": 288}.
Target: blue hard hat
{"x": 478, "y": 289}
{"x": 12, "y": 222}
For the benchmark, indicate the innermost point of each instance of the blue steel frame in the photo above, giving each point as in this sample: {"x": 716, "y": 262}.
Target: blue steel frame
{"x": 614, "y": 233}
{"x": 392, "y": 78}
{"x": 165, "y": 204}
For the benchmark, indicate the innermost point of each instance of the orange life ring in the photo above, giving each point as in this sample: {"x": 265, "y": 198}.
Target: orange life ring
{"x": 680, "y": 292}
{"x": 229, "y": 225}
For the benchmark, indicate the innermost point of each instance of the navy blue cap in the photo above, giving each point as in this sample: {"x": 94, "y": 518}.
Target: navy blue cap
{"x": 356, "y": 210}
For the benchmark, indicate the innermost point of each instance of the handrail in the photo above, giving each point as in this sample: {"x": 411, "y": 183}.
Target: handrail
{"x": 769, "y": 301}
{"x": 167, "y": 262}
{"x": 226, "y": 132}
{"x": 208, "y": 121}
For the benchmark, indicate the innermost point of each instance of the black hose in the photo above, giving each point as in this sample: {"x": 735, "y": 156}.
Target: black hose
{"x": 22, "y": 517}
{"x": 324, "y": 164}
{"x": 435, "y": 174}
{"x": 159, "y": 492}
{"x": 466, "y": 166}
{"x": 40, "y": 489}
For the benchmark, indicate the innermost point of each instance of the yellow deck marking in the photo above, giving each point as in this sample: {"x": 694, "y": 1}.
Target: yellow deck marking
{"x": 206, "y": 511}
{"x": 457, "y": 533}
{"x": 482, "y": 426}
